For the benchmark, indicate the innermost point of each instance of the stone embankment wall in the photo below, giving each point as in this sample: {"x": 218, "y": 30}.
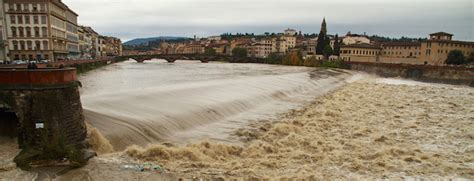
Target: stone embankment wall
{"x": 49, "y": 111}
{"x": 427, "y": 73}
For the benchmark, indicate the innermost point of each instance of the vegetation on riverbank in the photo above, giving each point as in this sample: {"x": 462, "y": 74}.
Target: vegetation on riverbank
{"x": 296, "y": 59}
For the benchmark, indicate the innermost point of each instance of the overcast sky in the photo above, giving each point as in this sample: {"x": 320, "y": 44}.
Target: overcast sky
{"x": 130, "y": 19}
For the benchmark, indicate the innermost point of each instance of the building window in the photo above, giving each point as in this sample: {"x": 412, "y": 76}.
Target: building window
{"x": 43, "y": 7}
{"x": 15, "y": 45}
{"x": 37, "y": 32}
{"x": 35, "y": 7}
{"x": 14, "y": 34}
{"x": 44, "y": 30}
{"x": 11, "y": 7}
{"x": 29, "y": 44}
{"x": 21, "y": 32}
{"x": 20, "y": 19}
{"x": 18, "y": 7}
{"x": 28, "y": 31}
{"x": 37, "y": 45}
{"x": 22, "y": 45}
{"x": 43, "y": 20}
{"x": 35, "y": 20}
{"x": 27, "y": 19}
{"x": 12, "y": 19}
{"x": 45, "y": 46}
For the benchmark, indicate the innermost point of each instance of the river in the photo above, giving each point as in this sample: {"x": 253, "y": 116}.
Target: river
{"x": 188, "y": 117}
{"x": 188, "y": 101}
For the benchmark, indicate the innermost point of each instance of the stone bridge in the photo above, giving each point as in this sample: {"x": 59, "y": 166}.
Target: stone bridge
{"x": 42, "y": 108}
{"x": 171, "y": 58}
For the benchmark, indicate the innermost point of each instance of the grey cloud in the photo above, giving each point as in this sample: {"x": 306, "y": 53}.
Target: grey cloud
{"x": 142, "y": 18}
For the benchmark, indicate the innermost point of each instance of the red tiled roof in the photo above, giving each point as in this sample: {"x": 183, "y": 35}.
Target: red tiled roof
{"x": 441, "y": 34}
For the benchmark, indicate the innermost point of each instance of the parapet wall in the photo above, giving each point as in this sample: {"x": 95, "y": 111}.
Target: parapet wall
{"x": 13, "y": 78}
{"x": 428, "y": 73}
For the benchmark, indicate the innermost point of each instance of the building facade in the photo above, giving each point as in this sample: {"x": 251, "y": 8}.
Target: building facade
{"x": 72, "y": 35}
{"x": 36, "y": 29}
{"x": 4, "y": 51}
{"x": 46, "y": 29}
{"x": 360, "y": 53}
{"x": 111, "y": 46}
{"x": 438, "y": 46}
{"x": 290, "y": 32}
{"x": 262, "y": 48}
{"x": 434, "y": 51}
{"x": 350, "y": 39}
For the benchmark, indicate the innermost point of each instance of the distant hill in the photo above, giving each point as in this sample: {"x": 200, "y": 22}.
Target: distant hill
{"x": 146, "y": 41}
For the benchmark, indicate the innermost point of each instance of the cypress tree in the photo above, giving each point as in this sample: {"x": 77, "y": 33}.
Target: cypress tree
{"x": 323, "y": 40}
{"x": 337, "y": 46}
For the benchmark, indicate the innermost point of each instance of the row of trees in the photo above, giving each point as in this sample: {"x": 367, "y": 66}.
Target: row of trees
{"x": 377, "y": 38}
{"x": 295, "y": 58}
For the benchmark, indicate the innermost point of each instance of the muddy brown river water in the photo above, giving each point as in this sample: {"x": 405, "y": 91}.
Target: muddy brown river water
{"x": 185, "y": 102}
{"x": 252, "y": 121}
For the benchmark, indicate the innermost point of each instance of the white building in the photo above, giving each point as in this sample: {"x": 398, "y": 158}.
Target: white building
{"x": 262, "y": 48}
{"x": 351, "y": 39}
{"x": 290, "y": 41}
{"x": 214, "y": 38}
{"x": 290, "y": 32}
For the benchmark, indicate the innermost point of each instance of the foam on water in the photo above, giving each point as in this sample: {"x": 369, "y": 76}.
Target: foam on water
{"x": 187, "y": 102}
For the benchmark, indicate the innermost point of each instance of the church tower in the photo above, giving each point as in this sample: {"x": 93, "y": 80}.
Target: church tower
{"x": 323, "y": 26}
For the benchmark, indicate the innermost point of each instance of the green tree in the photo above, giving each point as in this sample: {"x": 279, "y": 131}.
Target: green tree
{"x": 274, "y": 58}
{"x": 311, "y": 62}
{"x": 239, "y": 52}
{"x": 322, "y": 42}
{"x": 210, "y": 51}
{"x": 470, "y": 59}
{"x": 337, "y": 46}
{"x": 455, "y": 57}
{"x": 286, "y": 60}
{"x": 327, "y": 51}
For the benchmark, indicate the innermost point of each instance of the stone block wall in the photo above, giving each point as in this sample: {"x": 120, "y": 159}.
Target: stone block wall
{"x": 428, "y": 73}
{"x": 49, "y": 112}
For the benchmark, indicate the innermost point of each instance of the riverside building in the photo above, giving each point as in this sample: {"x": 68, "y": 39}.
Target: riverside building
{"x": 45, "y": 29}
{"x": 433, "y": 51}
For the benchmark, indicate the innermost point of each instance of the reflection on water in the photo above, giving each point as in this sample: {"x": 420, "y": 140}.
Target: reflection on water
{"x": 133, "y": 103}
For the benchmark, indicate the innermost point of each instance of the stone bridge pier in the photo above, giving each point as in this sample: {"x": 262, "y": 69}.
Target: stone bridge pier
{"x": 50, "y": 122}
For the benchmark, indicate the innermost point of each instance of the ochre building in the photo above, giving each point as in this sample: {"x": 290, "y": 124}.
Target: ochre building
{"x": 433, "y": 51}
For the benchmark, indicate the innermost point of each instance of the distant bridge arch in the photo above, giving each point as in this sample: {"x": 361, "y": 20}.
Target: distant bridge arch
{"x": 171, "y": 58}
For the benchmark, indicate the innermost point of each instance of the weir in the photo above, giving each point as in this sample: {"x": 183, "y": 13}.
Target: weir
{"x": 50, "y": 122}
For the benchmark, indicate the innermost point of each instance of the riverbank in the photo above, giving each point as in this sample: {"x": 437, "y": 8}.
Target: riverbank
{"x": 370, "y": 129}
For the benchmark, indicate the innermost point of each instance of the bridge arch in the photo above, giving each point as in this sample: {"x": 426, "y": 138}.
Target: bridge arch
{"x": 9, "y": 122}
